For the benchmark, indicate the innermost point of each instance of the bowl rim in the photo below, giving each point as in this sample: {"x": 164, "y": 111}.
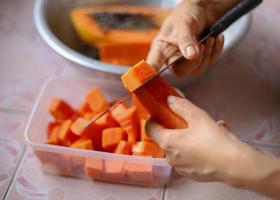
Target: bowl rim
{"x": 83, "y": 60}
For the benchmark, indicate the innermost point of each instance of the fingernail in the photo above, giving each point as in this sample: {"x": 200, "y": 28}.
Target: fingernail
{"x": 171, "y": 99}
{"x": 191, "y": 51}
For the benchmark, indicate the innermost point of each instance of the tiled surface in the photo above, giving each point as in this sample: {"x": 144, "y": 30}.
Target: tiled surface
{"x": 242, "y": 88}
{"x": 25, "y": 60}
{"x": 11, "y": 147}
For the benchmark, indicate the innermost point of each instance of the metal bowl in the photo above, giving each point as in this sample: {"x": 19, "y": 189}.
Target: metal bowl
{"x": 53, "y": 23}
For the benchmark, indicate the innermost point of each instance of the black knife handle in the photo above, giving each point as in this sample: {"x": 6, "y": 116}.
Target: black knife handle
{"x": 243, "y": 7}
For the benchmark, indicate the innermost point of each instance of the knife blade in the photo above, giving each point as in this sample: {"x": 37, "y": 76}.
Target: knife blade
{"x": 240, "y": 9}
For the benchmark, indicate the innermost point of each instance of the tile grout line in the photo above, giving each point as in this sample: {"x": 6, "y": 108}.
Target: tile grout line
{"x": 15, "y": 111}
{"x": 164, "y": 192}
{"x": 22, "y": 155}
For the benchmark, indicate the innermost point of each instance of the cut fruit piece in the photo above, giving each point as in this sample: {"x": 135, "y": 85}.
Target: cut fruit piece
{"x": 141, "y": 110}
{"x": 60, "y": 110}
{"x": 144, "y": 136}
{"x": 123, "y": 24}
{"x": 51, "y": 126}
{"x": 111, "y": 137}
{"x": 65, "y": 136}
{"x": 94, "y": 168}
{"x": 84, "y": 108}
{"x": 96, "y": 100}
{"x": 114, "y": 170}
{"x": 120, "y": 54}
{"x": 128, "y": 119}
{"x": 89, "y": 115}
{"x": 93, "y": 131}
{"x": 153, "y": 95}
{"x": 123, "y": 147}
{"x": 108, "y": 121}
{"x": 53, "y": 136}
{"x": 148, "y": 149}
{"x": 83, "y": 143}
{"x": 140, "y": 172}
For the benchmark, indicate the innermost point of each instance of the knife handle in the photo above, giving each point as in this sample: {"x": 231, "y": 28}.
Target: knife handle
{"x": 242, "y": 8}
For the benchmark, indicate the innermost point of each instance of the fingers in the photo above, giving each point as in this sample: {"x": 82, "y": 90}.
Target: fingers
{"x": 187, "y": 41}
{"x": 155, "y": 57}
{"x": 159, "y": 134}
{"x": 218, "y": 48}
{"x": 185, "y": 109}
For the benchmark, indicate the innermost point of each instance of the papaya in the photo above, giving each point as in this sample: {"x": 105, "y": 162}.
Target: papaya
{"x": 60, "y": 109}
{"x": 153, "y": 94}
{"x": 117, "y": 24}
{"x": 111, "y": 137}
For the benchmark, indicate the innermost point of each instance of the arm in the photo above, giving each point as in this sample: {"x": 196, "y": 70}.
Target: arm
{"x": 207, "y": 151}
{"x": 179, "y": 35}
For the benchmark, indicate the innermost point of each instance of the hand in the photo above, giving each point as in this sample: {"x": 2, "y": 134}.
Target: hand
{"x": 207, "y": 151}
{"x": 179, "y": 33}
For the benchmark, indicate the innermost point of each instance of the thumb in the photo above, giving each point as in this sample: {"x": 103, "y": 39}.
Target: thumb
{"x": 185, "y": 109}
{"x": 187, "y": 41}
{"x": 159, "y": 134}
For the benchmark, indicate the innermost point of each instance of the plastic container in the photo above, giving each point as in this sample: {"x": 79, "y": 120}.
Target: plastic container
{"x": 91, "y": 164}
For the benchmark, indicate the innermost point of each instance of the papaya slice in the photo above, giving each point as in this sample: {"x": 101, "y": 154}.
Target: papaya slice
{"x": 94, "y": 168}
{"x": 141, "y": 110}
{"x": 153, "y": 95}
{"x": 65, "y": 135}
{"x": 123, "y": 147}
{"x": 145, "y": 148}
{"x": 140, "y": 172}
{"x": 60, "y": 109}
{"x": 96, "y": 100}
{"x": 111, "y": 137}
{"x": 83, "y": 143}
{"x": 117, "y": 24}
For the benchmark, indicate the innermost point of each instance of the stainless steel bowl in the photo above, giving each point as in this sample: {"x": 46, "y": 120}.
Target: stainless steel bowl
{"x": 53, "y": 23}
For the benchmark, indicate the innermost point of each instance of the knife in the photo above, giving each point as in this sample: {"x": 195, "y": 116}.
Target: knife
{"x": 242, "y": 8}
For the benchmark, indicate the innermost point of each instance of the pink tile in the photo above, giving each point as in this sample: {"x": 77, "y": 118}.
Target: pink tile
{"x": 11, "y": 147}
{"x": 185, "y": 188}
{"x": 25, "y": 60}
{"x": 32, "y": 183}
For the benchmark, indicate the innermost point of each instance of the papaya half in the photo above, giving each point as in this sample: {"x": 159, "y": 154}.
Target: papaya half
{"x": 119, "y": 31}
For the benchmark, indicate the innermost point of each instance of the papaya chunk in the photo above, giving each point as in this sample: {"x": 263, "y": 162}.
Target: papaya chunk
{"x": 114, "y": 170}
{"x": 65, "y": 135}
{"x": 120, "y": 54}
{"x": 153, "y": 95}
{"x": 111, "y": 137}
{"x": 140, "y": 172}
{"x": 60, "y": 110}
{"x": 53, "y": 135}
{"x": 141, "y": 110}
{"x": 83, "y": 143}
{"x": 123, "y": 147}
{"x": 94, "y": 168}
{"x": 147, "y": 148}
{"x": 128, "y": 119}
{"x": 96, "y": 100}
{"x": 84, "y": 108}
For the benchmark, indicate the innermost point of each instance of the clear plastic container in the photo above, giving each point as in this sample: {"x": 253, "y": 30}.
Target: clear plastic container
{"x": 96, "y": 165}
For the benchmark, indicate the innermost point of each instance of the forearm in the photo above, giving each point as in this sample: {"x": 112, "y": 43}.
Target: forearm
{"x": 255, "y": 171}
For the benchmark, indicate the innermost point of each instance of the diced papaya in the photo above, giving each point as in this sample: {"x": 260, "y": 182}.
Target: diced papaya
{"x": 53, "y": 136}
{"x": 153, "y": 95}
{"x": 83, "y": 143}
{"x": 120, "y": 54}
{"x": 123, "y": 147}
{"x": 114, "y": 170}
{"x": 94, "y": 168}
{"x": 93, "y": 131}
{"x": 108, "y": 121}
{"x": 111, "y": 137}
{"x": 128, "y": 119}
{"x": 90, "y": 115}
{"x": 65, "y": 136}
{"x": 60, "y": 109}
{"x": 147, "y": 148}
{"x": 84, "y": 108}
{"x": 140, "y": 172}
{"x": 141, "y": 110}
{"x": 51, "y": 126}
{"x": 96, "y": 100}
{"x": 144, "y": 136}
